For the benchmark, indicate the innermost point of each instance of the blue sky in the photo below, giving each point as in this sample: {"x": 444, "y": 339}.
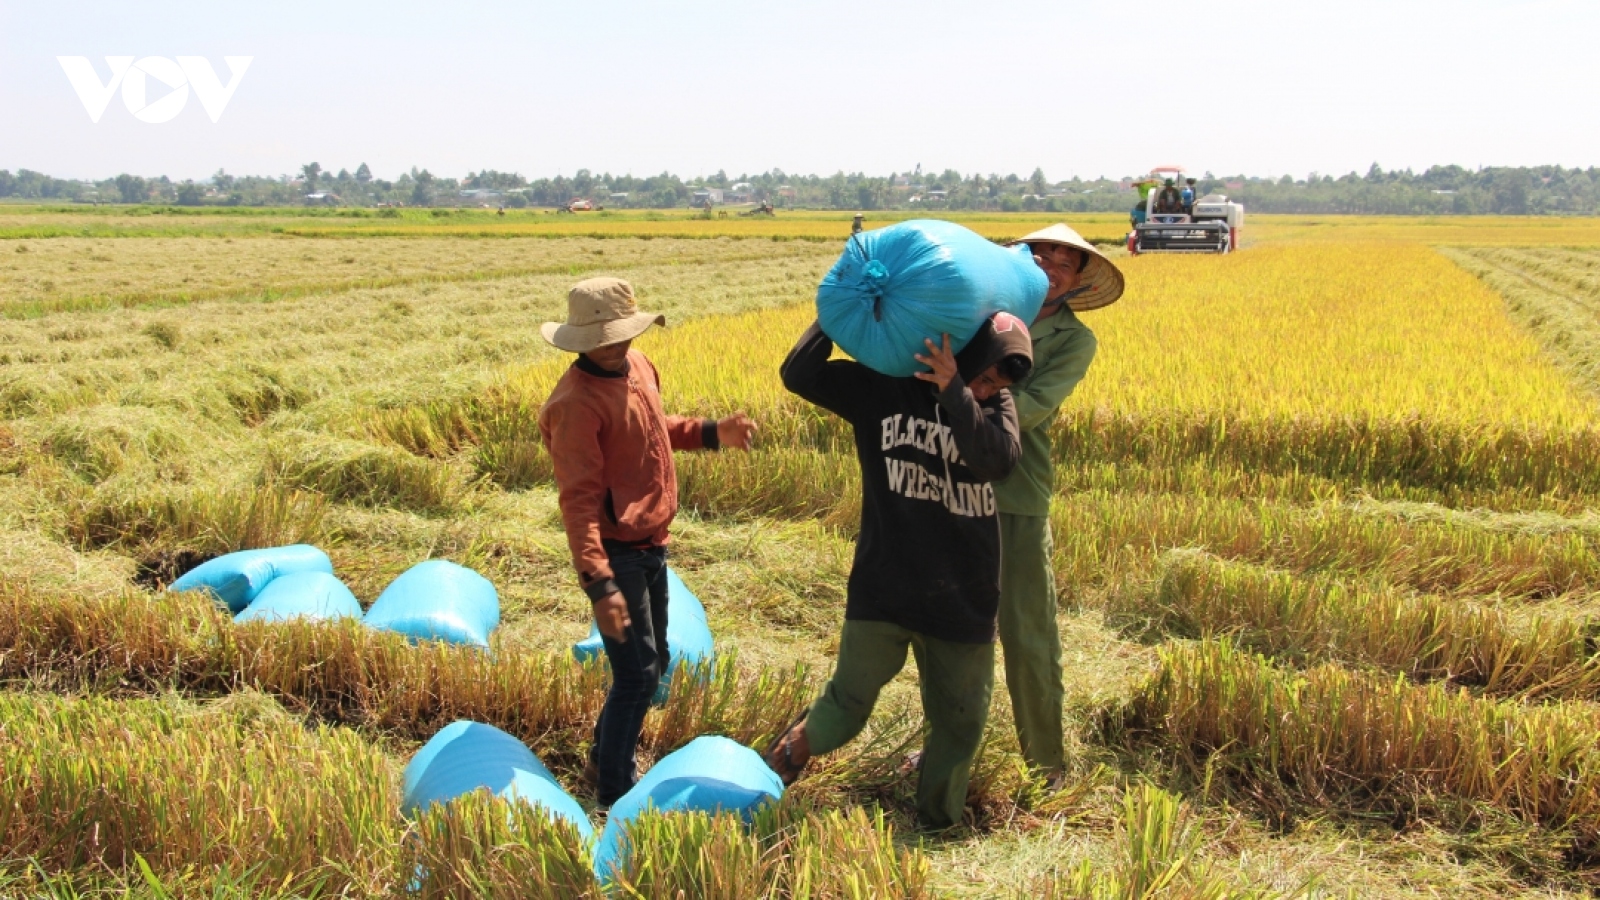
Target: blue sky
{"x": 1085, "y": 89}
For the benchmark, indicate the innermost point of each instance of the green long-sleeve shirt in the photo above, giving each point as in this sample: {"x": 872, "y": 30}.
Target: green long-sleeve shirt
{"x": 1063, "y": 347}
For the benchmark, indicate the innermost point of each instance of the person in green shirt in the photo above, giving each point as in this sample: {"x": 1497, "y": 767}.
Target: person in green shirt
{"x": 1081, "y": 278}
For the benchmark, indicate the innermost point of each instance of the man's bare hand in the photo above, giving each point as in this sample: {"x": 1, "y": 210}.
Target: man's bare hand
{"x": 611, "y": 616}
{"x": 737, "y": 430}
{"x": 940, "y": 360}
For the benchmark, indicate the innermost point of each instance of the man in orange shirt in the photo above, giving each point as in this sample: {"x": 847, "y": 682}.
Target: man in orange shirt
{"x": 611, "y": 445}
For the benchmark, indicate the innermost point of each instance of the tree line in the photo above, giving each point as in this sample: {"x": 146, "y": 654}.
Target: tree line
{"x": 1439, "y": 190}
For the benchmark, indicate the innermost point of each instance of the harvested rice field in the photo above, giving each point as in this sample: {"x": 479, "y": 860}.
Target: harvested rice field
{"x": 1327, "y": 541}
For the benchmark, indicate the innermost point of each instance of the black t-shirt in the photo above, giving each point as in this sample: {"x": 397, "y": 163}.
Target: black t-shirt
{"x": 928, "y": 555}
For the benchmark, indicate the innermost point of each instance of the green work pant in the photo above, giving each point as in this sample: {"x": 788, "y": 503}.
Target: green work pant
{"x": 957, "y": 684}
{"x": 1030, "y": 638}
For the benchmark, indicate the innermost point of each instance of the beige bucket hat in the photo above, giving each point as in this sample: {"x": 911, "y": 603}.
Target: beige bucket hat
{"x": 1102, "y": 280}
{"x": 600, "y": 311}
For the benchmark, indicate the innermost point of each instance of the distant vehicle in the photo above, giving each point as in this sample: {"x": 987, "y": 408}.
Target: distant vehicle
{"x": 579, "y": 204}
{"x": 1161, "y": 224}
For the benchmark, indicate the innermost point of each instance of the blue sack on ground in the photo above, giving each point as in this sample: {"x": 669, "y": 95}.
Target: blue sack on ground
{"x": 710, "y": 774}
{"x": 919, "y": 279}
{"x": 317, "y": 596}
{"x": 468, "y": 756}
{"x": 688, "y": 634}
{"x": 438, "y": 600}
{"x": 237, "y": 579}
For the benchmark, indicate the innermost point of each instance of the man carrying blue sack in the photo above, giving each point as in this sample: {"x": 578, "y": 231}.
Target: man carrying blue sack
{"x": 926, "y": 574}
{"x": 1081, "y": 278}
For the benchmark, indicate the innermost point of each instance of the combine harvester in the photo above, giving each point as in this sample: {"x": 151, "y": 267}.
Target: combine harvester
{"x": 1209, "y": 224}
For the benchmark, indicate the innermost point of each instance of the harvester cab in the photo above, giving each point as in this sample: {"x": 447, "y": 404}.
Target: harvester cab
{"x": 1166, "y": 222}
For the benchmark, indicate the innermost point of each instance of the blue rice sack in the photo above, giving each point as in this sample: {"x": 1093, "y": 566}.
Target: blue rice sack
{"x": 236, "y": 579}
{"x": 710, "y": 774}
{"x": 438, "y": 600}
{"x": 688, "y": 634}
{"x": 919, "y": 279}
{"x": 316, "y": 596}
{"x": 469, "y": 756}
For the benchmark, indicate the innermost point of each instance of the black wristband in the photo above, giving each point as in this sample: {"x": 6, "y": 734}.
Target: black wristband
{"x": 709, "y": 438}
{"x": 600, "y": 589}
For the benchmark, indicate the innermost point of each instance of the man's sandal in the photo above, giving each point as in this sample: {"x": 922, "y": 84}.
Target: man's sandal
{"x": 780, "y": 754}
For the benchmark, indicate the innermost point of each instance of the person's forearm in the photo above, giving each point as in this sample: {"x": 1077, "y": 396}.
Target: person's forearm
{"x": 692, "y": 433}
{"x": 577, "y": 462}
{"x": 803, "y": 367}
{"x": 589, "y": 556}
{"x": 807, "y": 373}
{"x": 990, "y": 449}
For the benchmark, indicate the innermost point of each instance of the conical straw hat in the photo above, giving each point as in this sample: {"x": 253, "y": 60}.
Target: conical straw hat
{"x": 1102, "y": 280}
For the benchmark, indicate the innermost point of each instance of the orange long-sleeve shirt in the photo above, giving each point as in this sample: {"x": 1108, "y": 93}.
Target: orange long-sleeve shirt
{"x": 611, "y": 445}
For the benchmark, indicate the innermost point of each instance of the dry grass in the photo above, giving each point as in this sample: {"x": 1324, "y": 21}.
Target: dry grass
{"x": 165, "y": 791}
{"x": 99, "y": 784}
{"x": 1334, "y": 739}
{"x": 1102, "y": 536}
{"x": 66, "y": 274}
{"x": 1313, "y": 620}
{"x": 349, "y": 674}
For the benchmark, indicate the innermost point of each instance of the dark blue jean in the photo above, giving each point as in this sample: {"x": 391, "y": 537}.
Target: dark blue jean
{"x": 637, "y": 665}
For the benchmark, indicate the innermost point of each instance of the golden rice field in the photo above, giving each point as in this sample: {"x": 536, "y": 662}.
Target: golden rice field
{"x": 1326, "y": 540}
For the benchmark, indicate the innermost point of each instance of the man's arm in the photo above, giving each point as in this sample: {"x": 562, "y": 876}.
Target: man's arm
{"x": 687, "y": 433}
{"x": 692, "y": 433}
{"x": 572, "y": 435}
{"x": 835, "y": 386}
{"x": 985, "y": 434}
{"x": 1039, "y": 397}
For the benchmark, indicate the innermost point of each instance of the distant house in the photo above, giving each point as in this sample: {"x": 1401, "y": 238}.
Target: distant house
{"x": 936, "y": 196}
{"x": 740, "y": 193}
{"x": 703, "y": 196}
{"x": 322, "y": 198}
{"x": 481, "y": 194}
{"x": 617, "y": 197}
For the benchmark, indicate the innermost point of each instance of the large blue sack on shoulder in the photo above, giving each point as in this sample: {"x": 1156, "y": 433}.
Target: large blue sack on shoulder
{"x": 469, "y": 756}
{"x": 919, "y": 279}
{"x": 438, "y": 600}
{"x": 711, "y": 774}
{"x": 317, "y": 596}
{"x": 236, "y": 579}
{"x": 688, "y": 634}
